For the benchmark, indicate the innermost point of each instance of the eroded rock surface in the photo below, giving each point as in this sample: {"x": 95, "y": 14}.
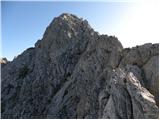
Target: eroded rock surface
{"x": 73, "y": 72}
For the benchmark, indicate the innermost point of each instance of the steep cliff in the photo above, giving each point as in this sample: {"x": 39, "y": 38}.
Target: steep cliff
{"x": 73, "y": 72}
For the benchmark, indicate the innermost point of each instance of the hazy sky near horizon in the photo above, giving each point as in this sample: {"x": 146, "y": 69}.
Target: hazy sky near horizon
{"x": 23, "y": 23}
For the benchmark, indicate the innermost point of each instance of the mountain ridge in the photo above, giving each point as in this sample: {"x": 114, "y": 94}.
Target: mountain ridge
{"x": 73, "y": 72}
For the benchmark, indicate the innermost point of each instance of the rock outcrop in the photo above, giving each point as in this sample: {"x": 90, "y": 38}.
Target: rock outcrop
{"x": 73, "y": 72}
{"x": 3, "y": 61}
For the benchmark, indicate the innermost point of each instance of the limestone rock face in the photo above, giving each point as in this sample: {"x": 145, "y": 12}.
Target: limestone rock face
{"x": 73, "y": 72}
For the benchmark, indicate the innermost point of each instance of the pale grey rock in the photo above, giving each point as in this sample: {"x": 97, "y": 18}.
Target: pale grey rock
{"x": 128, "y": 98}
{"x": 73, "y": 72}
{"x": 139, "y": 55}
{"x": 151, "y": 71}
{"x": 144, "y": 98}
{"x": 147, "y": 58}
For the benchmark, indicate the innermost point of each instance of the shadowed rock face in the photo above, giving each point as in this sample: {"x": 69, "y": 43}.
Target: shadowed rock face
{"x": 73, "y": 72}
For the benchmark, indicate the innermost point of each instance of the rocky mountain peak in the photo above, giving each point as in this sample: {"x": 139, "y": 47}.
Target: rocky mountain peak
{"x": 64, "y": 32}
{"x": 73, "y": 72}
{"x": 67, "y": 22}
{"x": 68, "y": 17}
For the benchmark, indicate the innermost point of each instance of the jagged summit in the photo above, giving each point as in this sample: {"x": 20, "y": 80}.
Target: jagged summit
{"x": 69, "y": 29}
{"x": 67, "y": 22}
{"x": 67, "y": 16}
{"x": 73, "y": 72}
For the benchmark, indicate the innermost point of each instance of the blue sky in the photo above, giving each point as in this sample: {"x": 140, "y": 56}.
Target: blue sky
{"x": 23, "y": 23}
